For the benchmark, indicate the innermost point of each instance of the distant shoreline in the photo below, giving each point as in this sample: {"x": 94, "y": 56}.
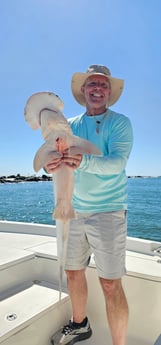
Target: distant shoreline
{"x": 43, "y": 178}
{"x": 20, "y": 178}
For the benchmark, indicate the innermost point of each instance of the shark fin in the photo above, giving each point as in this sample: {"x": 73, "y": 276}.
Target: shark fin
{"x": 43, "y": 156}
{"x": 83, "y": 146}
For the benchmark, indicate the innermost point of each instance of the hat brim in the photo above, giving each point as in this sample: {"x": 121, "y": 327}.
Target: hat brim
{"x": 79, "y": 79}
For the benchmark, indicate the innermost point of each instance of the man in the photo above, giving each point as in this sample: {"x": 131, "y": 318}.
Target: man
{"x": 100, "y": 199}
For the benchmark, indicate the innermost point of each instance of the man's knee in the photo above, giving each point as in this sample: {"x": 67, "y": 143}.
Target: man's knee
{"x": 111, "y": 287}
{"x": 74, "y": 274}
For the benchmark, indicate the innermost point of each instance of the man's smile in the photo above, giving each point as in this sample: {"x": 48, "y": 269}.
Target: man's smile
{"x": 97, "y": 95}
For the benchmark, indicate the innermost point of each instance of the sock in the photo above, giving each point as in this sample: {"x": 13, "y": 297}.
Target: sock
{"x": 80, "y": 324}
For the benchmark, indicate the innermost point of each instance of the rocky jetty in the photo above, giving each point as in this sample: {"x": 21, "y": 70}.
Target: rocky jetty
{"x": 19, "y": 178}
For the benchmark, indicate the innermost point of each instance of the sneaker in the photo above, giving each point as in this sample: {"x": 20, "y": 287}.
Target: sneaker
{"x": 71, "y": 334}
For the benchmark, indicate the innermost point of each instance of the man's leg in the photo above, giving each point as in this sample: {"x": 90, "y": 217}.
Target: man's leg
{"x": 117, "y": 309}
{"x": 77, "y": 288}
{"x": 78, "y": 327}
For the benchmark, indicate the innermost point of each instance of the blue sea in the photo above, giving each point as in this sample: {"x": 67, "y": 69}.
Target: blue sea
{"x": 33, "y": 202}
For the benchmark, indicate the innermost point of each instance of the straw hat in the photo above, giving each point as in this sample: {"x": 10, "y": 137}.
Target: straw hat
{"x": 78, "y": 79}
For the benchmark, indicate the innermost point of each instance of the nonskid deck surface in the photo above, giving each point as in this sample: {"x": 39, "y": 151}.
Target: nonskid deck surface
{"x": 103, "y": 338}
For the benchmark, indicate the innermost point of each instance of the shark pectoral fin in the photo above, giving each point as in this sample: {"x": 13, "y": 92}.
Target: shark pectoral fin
{"x": 82, "y": 146}
{"x": 43, "y": 156}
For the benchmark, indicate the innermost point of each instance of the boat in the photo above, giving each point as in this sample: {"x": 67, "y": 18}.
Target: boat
{"x": 30, "y": 308}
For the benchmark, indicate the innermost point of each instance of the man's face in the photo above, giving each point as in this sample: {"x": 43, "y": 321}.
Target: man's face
{"x": 96, "y": 92}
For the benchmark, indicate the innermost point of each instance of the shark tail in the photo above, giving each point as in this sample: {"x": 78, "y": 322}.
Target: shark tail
{"x": 62, "y": 240}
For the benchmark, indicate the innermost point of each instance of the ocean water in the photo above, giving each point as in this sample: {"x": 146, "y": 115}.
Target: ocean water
{"x": 33, "y": 202}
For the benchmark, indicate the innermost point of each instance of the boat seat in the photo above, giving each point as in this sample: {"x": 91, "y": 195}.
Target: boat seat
{"x": 143, "y": 266}
{"x": 158, "y": 341}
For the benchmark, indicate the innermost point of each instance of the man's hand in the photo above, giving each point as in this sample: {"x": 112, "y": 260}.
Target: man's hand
{"x": 53, "y": 166}
{"x": 71, "y": 161}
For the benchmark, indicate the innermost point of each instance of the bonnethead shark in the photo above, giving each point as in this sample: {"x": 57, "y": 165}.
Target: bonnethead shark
{"x": 43, "y": 111}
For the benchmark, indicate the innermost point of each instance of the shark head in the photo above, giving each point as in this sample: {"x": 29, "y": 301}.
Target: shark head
{"x": 53, "y": 121}
{"x": 37, "y": 102}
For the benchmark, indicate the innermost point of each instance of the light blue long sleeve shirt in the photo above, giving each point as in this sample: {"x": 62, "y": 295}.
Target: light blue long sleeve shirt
{"x": 100, "y": 181}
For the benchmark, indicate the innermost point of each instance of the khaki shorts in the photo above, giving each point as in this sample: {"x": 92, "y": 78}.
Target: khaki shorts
{"x": 104, "y": 235}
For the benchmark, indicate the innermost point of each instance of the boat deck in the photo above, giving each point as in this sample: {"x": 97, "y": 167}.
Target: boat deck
{"x": 30, "y": 308}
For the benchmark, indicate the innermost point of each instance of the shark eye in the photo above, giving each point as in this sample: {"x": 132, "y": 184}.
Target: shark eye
{"x": 57, "y": 139}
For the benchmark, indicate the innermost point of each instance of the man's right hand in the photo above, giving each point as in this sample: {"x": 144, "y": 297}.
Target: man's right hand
{"x": 72, "y": 162}
{"x": 53, "y": 166}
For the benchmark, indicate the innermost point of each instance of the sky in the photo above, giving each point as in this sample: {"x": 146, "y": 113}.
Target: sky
{"x": 43, "y": 42}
